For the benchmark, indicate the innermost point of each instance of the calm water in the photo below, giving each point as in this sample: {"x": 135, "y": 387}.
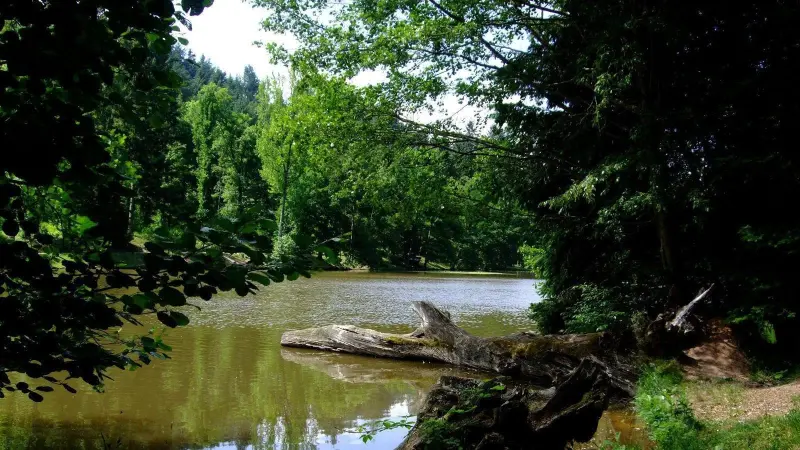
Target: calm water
{"x": 230, "y": 384}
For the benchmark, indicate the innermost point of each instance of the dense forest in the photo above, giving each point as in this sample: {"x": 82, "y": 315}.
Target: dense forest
{"x": 648, "y": 143}
{"x": 636, "y": 152}
{"x": 316, "y": 156}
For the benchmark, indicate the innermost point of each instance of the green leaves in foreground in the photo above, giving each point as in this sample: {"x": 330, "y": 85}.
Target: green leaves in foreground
{"x": 82, "y": 296}
{"x": 370, "y": 429}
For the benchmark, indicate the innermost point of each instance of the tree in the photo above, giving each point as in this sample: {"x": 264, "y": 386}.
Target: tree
{"x": 58, "y": 65}
{"x": 343, "y": 167}
{"x": 639, "y": 135}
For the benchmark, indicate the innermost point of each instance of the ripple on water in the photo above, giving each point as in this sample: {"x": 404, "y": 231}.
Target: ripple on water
{"x": 231, "y": 385}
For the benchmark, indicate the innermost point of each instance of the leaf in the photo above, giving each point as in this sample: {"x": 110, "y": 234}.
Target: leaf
{"x": 164, "y": 346}
{"x": 180, "y": 318}
{"x": 84, "y": 224}
{"x": 148, "y": 342}
{"x": 161, "y": 46}
{"x": 152, "y": 247}
{"x": 206, "y": 292}
{"x": 22, "y": 385}
{"x": 328, "y": 253}
{"x": 153, "y": 262}
{"x": 10, "y": 228}
{"x": 35, "y": 397}
{"x": 172, "y": 297}
{"x": 223, "y": 223}
{"x": 293, "y": 276}
{"x": 183, "y": 41}
{"x": 145, "y": 301}
{"x": 166, "y": 319}
{"x": 303, "y": 240}
{"x": 248, "y": 228}
{"x": 242, "y": 291}
{"x": 259, "y": 278}
{"x": 268, "y": 225}
{"x": 188, "y": 241}
{"x": 69, "y": 389}
{"x": 44, "y": 388}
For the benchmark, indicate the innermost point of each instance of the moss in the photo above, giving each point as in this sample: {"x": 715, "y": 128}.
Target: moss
{"x": 579, "y": 347}
{"x": 400, "y": 340}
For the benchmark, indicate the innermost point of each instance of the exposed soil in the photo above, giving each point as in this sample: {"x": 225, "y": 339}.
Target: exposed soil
{"x": 729, "y": 401}
{"x": 717, "y": 358}
{"x": 721, "y": 388}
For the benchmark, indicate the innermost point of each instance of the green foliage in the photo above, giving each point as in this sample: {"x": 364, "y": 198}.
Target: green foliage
{"x": 343, "y": 168}
{"x": 437, "y": 434}
{"x": 82, "y": 166}
{"x": 369, "y": 430}
{"x": 532, "y": 258}
{"x": 227, "y": 170}
{"x": 662, "y": 405}
{"x": 649, "y": 166}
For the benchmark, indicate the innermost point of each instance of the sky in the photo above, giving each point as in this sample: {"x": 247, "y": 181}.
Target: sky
{"x": 226, "y": 31}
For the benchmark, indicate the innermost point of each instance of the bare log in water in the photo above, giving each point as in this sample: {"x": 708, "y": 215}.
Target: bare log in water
{"x": 544, "y": 360}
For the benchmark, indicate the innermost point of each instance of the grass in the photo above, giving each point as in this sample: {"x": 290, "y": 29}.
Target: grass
{"x": 707, "y": 396}
{"x": 661, "y": 402}
{"x": 770, "y": 377}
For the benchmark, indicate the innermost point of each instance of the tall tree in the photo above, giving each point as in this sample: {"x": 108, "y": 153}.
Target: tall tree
{"x": 58, "y": 65}
{"x": 640, "y": 135}
{"x": 227, "y": 172}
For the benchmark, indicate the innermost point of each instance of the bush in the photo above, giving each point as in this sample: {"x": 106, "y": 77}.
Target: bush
{"x": 661, "y": 402}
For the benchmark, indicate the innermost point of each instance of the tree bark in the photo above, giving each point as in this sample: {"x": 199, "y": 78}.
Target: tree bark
{"x": 506, "y": 414}
{"x": 543, "y": 360}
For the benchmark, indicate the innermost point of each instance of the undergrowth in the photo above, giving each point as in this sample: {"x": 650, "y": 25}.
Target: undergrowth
{"x": 662, "y": 404}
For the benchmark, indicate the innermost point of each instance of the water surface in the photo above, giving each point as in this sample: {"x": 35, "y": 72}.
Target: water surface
{"x": 231, "y": 385}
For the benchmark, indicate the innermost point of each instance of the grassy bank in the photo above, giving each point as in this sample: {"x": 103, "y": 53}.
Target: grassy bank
{"x": 663, "y": 405}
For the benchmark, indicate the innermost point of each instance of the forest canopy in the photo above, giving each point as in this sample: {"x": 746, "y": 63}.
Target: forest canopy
{"x": 630, "y": 153}
{"x": 649, "y": 143}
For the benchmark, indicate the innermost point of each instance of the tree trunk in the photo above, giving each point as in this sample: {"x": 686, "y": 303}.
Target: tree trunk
{"x": 541, "y": 359}
{"x": 286, "y": 168}
{"x": 510, "y": 415}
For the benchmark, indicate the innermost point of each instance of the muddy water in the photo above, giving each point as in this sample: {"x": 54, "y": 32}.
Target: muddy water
{"x": 230, "y": 385}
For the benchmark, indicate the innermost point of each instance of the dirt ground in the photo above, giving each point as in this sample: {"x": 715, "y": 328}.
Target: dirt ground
{"x": 717, "y": 358}
{"x": 720, "y": 387}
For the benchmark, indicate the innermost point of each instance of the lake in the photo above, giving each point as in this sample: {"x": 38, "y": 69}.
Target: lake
{"x": 230, "y": 385}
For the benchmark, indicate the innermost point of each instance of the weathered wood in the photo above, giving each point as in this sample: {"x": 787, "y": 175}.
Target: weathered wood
{"x": 682, "y": 323}
{"x": 672, "y": 332}
{"x": 512, "y": 415}
{"x": 544, "y": 360}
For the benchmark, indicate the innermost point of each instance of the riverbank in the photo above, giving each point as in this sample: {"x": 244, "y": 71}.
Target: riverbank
{"x": 681, "y": 414}
{"x": 444, "y": 273}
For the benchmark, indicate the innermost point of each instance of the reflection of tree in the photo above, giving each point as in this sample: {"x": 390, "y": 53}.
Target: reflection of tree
{"x": 229, "y": 385}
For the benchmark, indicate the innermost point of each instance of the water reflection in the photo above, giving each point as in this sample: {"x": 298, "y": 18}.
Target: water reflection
{"x": 230, "y": 385}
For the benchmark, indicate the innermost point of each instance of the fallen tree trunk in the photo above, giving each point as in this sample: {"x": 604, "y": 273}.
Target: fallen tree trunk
{"x": 511, "y": 415}
{"x": 544, "y": 360}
